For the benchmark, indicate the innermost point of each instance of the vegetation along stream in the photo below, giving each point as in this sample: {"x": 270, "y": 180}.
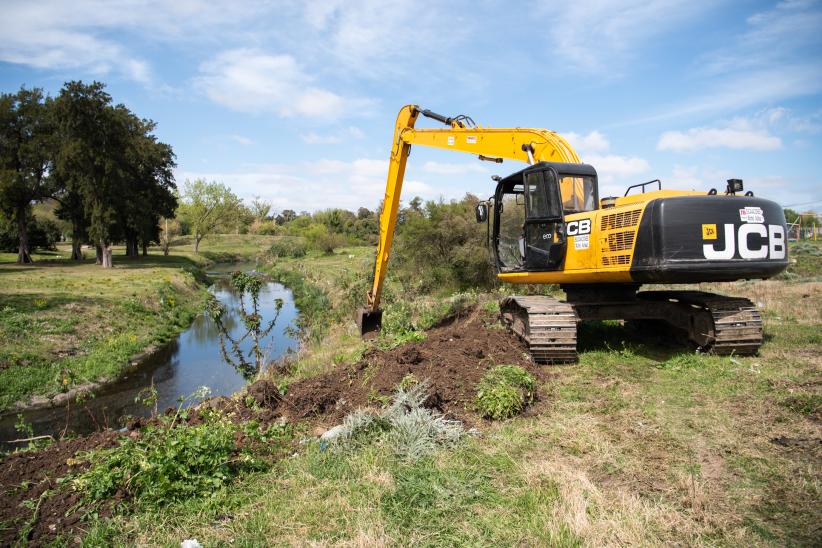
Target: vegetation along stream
{"x": 177, "y": 370}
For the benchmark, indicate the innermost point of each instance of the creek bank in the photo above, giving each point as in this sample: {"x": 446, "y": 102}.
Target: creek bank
{"x": 453, "y": 357}
{"x": 176, "y": 369}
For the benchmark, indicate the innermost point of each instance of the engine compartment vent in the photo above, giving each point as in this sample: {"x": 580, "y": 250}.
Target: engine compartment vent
{"x": 621, "y": 241}
{"x": 622, "y": 219}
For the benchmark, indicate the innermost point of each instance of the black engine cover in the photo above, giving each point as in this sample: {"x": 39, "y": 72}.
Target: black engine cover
{"x": 710, "y": 238}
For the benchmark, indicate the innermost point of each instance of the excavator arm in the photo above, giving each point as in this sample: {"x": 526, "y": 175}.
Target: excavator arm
{"x": 495, "y": 144}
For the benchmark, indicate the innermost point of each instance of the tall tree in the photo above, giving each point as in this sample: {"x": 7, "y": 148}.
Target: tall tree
{"x": 26, "y": 148}
{"x": 260, "y": 208}
{"x": 90, "y": 158}
{"x": 147, "y": 186}
{"x": 207, "y": 207}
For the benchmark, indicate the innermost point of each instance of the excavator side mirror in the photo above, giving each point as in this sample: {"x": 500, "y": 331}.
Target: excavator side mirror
{"x": 481, "y": 212}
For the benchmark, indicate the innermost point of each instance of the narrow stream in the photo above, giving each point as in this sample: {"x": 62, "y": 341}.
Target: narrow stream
{"x": 193, "y": 359}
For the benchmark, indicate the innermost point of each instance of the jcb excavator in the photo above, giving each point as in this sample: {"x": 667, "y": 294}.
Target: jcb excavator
{"x": 548, "y": 225}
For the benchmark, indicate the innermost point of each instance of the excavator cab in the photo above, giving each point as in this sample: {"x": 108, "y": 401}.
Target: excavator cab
{"x": 529, "y": 232}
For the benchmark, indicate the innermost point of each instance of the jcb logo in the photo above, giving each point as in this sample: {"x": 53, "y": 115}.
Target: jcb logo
{"x": 577, "y": 228}
{"x": 754, "y": 241}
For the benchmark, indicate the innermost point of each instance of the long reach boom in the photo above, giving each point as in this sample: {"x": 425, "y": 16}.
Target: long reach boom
{"x": 527, "y": 145}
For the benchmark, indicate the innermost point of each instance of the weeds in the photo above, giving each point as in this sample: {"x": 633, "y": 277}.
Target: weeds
{"x": 173, "y": 462}
{"x": 504, "y": 392}
{"x": 407, "y": 427}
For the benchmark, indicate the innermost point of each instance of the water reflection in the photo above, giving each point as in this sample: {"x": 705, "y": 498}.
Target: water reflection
{"x": 177, "y": 369}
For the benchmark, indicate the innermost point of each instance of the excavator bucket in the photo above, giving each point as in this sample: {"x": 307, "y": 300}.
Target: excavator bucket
{"x": 369, "y": 321}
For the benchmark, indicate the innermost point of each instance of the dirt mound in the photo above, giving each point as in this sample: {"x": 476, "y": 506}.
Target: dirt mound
{"x": 453, "y": 358}
{"x": 26, "y": 476}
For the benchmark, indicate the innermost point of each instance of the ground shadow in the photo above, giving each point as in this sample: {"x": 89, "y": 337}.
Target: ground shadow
{"x": 657, "y": 342}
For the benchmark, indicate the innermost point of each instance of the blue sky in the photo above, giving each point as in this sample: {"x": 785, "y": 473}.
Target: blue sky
{"x": 295, "y": 101}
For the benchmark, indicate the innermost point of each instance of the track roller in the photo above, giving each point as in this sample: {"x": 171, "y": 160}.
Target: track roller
{"x": 548, "y": 326}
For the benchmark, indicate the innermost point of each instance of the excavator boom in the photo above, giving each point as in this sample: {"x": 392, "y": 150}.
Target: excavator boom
{"x": 495, "y": 144}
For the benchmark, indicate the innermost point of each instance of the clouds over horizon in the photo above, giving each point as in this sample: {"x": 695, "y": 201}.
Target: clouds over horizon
{"x": 644, "y": 86}
{"x": 252, "y": 81}
{"x": 614, "y": 171}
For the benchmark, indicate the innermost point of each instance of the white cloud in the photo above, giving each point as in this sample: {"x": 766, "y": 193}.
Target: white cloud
{"x": 738, "y": 134}
{"x": 594, "y": 148}
{"x": 771, "y": 37}
{"x": 245, "y": 141}
{"x": 315, "y": 185}
{"x": 89, "y": 35}
{"x": 332, "y": 137}
{"x": 706, "y": 137}
{"x": 371, "y": 37}
{"x": 594, "y": 142}
{"x": 250, "y": 80}
{"x": 599, "y": 36}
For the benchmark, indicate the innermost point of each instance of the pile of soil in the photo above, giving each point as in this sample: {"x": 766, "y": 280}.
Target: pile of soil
{"x": 27, "y": 476}
{"x": 453, "y": 358}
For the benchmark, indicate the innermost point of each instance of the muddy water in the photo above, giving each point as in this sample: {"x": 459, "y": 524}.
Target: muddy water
{"x": 176, "y": 370}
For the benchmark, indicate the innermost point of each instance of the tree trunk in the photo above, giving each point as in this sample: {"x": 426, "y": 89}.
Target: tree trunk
{"x": 197, "y": 239}
{"x": 23, "y": 256}
{"x": 76, "y": 251}
{"x": 145, "y": 249}
{"x": 99, "y": 254}
{"x": 131, "y": 247}
{"x": 105, "y": 250}
{"x": 76, "y": 241}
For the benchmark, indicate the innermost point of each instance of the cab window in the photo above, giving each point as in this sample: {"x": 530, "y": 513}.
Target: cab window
{"x": 577, "y": 193}
{"x": 511, "y": 247}
{"x": 538, "y": 191}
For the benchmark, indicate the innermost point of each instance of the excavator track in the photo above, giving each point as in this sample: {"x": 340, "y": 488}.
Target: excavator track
{"x": 719, "y": 324}
{"x": 548, "y": 326}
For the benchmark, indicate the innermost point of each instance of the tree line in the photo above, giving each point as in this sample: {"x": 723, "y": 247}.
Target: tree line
{"x": 111, "y": 178}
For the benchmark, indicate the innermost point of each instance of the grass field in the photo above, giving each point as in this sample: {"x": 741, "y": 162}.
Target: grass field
{"x": 65, "y": 323}
{"x": 640, "y": 443}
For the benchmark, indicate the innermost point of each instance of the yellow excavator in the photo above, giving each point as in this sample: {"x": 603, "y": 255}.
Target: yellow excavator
{"x": 547, "y": 224}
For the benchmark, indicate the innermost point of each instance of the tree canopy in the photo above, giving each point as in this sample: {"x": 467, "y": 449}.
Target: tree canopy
{"x": 112, "y": 178}
{"x": 207, "y": 207}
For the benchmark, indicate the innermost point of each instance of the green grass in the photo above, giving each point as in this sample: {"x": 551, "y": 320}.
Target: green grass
{"x": 641, "y": 443}
{"x": 63, "y": 323}
{"x": 66, "y": 323}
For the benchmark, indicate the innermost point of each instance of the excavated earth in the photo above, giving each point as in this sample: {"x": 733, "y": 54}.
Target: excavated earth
{"x": 453, "y": 358}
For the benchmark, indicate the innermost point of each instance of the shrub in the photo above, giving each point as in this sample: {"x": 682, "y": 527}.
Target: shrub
{"x": 288, "y": 247}
{"x": 43, "y": 234}
{"x": 441, "y": 246}
{"x": 168, "y": 464}
{"x": 505, "y": 391}
{"x": 266, "y": 228}
{"x": 410, "y": 429}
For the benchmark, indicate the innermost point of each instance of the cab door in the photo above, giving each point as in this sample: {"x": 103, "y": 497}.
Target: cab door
{"x": 544, "y": 229}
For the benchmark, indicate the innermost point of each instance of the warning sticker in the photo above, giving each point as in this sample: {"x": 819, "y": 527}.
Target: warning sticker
{"x": 751, "y": 214}
{"x": 450, "y": 139}
{"x": 471, "y": 139}
{"x": 581, "y": 242}
{"x": 709, "y": 232}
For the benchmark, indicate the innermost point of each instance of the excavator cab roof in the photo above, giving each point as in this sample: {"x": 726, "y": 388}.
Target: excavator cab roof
{"x": 560, "y": 167}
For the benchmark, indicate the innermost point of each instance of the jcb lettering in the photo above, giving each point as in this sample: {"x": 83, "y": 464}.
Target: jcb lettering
{"x": 710, "y": 251}
{"x": 754, "y": 241}
{"x": 776, "y": 241}
{"x": 583, "y": 226}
